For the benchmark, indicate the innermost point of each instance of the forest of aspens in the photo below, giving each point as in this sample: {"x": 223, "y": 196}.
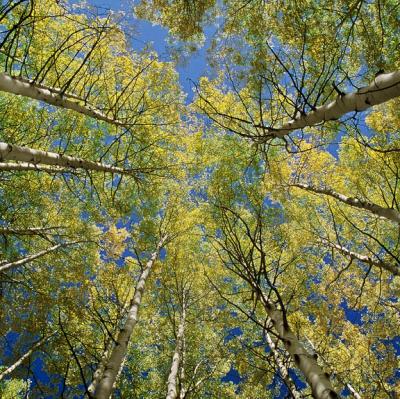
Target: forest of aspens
{"x": 199, "y": 199}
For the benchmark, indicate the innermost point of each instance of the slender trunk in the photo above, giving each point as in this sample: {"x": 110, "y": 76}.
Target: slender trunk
{"x": 100, "y": 367}
{"x": 176, "y": 358}
{"x": 387, "y": 213}
{"x": 26, "y": 166}
{"x": 104, "y": 358}
{"x": 284, "y": 372}
{"x": 24, "y": 357}
{"x": 29, "y": 231}
{"x": 355, "y": 394}
{"x": 317, "y": 379}
{"x": 30, "y": 258}
{"x": 366, "y": 259}
{"x": 384, "y": 87}
{"x": 182, "y": 374}
{"x": 105, "y": 385}
{"x": 26, "y": 154}
{"x": 53, "y": 96}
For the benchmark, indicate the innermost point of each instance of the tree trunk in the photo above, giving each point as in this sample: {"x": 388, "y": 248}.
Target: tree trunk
{"x": 366, "y": 259}
{"x": 53, "y": 96}
{"x": 26, "y": 154}
{"x": 172, "y": 391}
{"x": 355, "y": 394}
{"x": 387, "y": 213}
{"x": 26, "y": 166}
{"x": 100, "y": 367}
{"x": 348, "y": 386}
{"x": 384, "y": 87}
{"x": 182, "y": 374}
{"x": 317, "y": 379}
{"x": 284, "y": 372}
{"x": 105, "y": 385}
{"x": 24, "y": 357}
{"x": 30, "y": 258}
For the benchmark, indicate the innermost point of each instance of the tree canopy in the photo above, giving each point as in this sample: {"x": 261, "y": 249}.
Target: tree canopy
{"x": 243, "y": 243}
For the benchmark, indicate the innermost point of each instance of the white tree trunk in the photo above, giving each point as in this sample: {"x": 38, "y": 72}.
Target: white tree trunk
{"x": 100, "y": 367}
{"x": 105, "y": 385}
{"x": 384, "y": 87}
{"x": 172, "y": 391}
{"x": 53, "y": 96}
{"x": 387, "y": 213}
{"x": 182, "y": 373}
{"x": 317, "y": 379}
{"x": 355, "y": 394}
{"x": 30, "y": 258}
{"x": 284, "y": 372}
{"x": 366, "y": 259}
{"x": 26, "y": 154}
{"x": 26, "y": 166}
{"x": 24, "y": 357}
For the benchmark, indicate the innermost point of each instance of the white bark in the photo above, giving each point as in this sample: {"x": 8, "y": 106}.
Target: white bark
{"x": 182, "y": 374}
{"x": 284, "y": 372}
{"x": 24, "y": 357}
{"x": 101, "y": 367}
{"x": 53, "y": 96}
{"x": 317, "y": 379}
{"x": 113, "y": 366}
{"x": 387, "y": 213}
{"x": 30, "y": 258}
{"x": 355, "y": 394}
{"x": 26, "y": 154}
{"x": 172, "y": 391}
{"x": 384, "y": 87}
{"x": 26, "y": 166}
{"x": 366, "y": 259}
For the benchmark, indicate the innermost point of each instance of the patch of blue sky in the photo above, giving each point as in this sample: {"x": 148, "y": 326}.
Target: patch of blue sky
{"x": 232, "y": 334}
{"x": 10, "y": 340}
{"x": 393, "y": 343}
{"x": 297, "y": 379}
{"x": 354, "y": 316}
{"x": 232, "y": 375}
{"x": 278, "y": 388}
{"x": 198, "y": 196}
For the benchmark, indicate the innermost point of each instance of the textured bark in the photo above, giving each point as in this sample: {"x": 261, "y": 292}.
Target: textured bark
{"x": 25, "y": 356}
{"x": 366, "y": 259}
{"x": 317, "y": 379}
{"x": 384, "y": 87}
{"x": 283, "y": 370}
{"x": 53, "y": 96}
{"x": 113, "y": 366}
{"x": 100, "y": 368}
{"x": 355, "y": 394}
{"x": 29, "y": 231}
{"x": 26, "y": 154}
{"x": 26, "y": 166}
{"x": 172, "y": 391}
{"x": 30, "y": 258}
{"x": 104, "y": 358}
{"x": 387, "y": 213}
{"x": 182, "y": 373}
